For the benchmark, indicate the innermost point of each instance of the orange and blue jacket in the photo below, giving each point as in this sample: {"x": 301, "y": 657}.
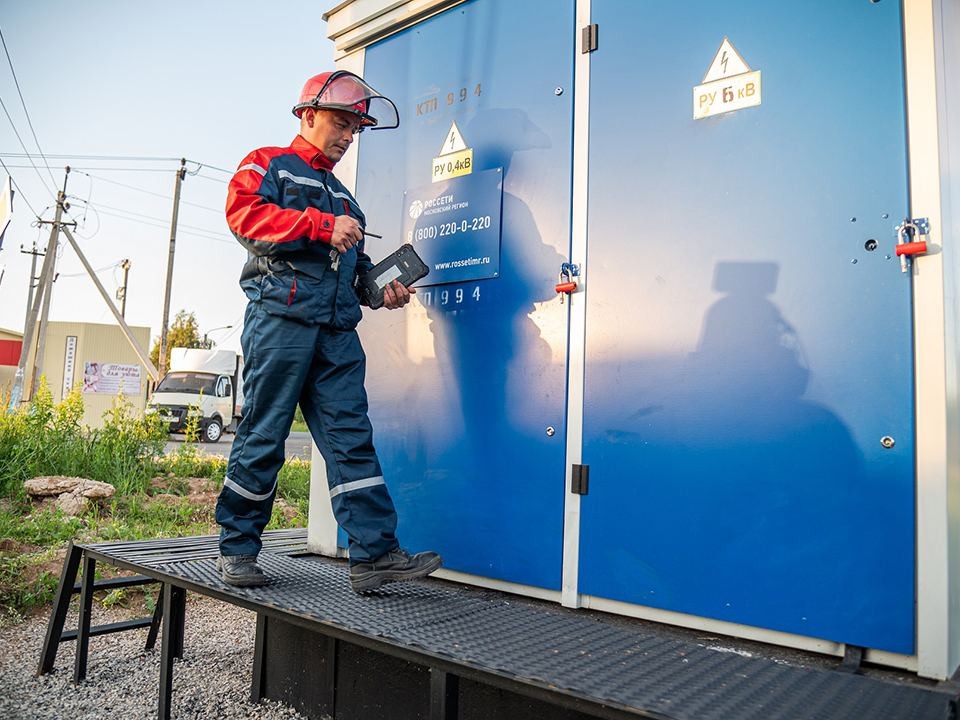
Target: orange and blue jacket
{"x": 281, "y": 205}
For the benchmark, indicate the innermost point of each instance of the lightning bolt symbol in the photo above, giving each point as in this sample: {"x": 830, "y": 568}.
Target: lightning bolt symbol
{"x": 723, "y": 61}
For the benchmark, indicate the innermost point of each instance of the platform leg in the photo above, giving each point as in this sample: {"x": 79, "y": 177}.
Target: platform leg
{"x": 444, "y": 689}
{"x": 61, "y": 604}
{"x": 180, "y": 608}
{"x": 155, "y": 623}
{"x": 329, "y": 679}
{"x": 852, "y": 660}
{"x": 172, "y": 595}
{"x": 83, "y": 626}
{"x": 259, "y": 667}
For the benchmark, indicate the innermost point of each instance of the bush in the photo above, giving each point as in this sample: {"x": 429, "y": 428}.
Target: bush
{"x": 43, "y": 438}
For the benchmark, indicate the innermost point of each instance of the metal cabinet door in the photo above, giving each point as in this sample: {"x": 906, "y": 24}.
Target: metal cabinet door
{"x": 464, "y": 383}
{"x": 748, "y": 328}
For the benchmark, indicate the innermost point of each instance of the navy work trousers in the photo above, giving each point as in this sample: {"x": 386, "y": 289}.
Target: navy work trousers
{"x": 322, "y": 368}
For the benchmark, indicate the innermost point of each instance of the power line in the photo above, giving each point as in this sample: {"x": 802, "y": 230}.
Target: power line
{"x": 212, "y": 179}
{"x": 32, "y": 164}
{"x": 83, "y": 222}
{"x": 111, "y": 169}
{"x": 25, "y": 111}
{"x": 212, "y": 167}
{"x": 127, "y": 169}
{"x": 222, "y": 238}
{"x": 98, "y": 270}
{"x": 237, "y": 327}
{"x": 102, "y": 206}
{"x": 131, "y": 158}
{"x": 160, "y": 223}
{"x": 82, "y": 171}
{"x": 151, "y": 192}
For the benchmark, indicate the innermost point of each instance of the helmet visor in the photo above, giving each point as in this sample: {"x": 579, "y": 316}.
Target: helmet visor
{"x": 349, "y": 93}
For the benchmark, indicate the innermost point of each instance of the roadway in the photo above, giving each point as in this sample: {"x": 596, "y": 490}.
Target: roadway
{"x": 297, "y": 446}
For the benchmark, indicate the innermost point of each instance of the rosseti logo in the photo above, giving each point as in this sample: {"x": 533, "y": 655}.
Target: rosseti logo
{"x": 416, "y": 209}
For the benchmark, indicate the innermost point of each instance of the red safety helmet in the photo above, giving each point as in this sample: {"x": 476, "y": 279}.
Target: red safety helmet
{"x": 342, "y": 90}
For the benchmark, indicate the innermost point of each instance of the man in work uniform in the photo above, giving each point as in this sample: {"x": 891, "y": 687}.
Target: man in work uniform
{"x": 304, "y": 233}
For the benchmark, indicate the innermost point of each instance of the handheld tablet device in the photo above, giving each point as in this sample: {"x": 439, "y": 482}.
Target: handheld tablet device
{"x": 403, "y": 265}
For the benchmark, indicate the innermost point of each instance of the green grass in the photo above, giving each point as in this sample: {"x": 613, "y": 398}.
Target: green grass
{"x": 293, "y": 484}
{"x": 157, "y": 495}
{"x": 29, "y": 569}
{"x": 299, "y": 424}
{"x": 47, "y": 439}
{"x": 44, "y": 527}
{"x": 26, "y": 581}
{"x": 188, "y": 461}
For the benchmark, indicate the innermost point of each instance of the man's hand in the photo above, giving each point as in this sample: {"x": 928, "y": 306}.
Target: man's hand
{"x": 346, "y": 233}
{"x": 395, "y": 295}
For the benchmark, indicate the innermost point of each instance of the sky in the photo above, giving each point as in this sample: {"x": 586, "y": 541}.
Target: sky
{"x": 208, "y": 81}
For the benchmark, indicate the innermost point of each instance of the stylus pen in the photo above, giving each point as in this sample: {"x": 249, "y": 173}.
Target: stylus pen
{"x": 370, "y": 234}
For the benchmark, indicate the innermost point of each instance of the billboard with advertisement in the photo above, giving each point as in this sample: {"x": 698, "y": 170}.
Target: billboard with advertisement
{"x": 110, "y": 378}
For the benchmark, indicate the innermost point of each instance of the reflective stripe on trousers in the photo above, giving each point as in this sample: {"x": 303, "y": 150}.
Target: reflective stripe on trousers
{"x": 287, "y": 362}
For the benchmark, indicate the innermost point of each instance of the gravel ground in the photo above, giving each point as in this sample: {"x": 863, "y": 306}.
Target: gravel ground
{"x": 212, "y": 680}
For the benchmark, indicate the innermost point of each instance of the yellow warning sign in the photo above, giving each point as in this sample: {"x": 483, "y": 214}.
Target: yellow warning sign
{"x": 729, "y": 84}
{"x": 453, "y": 165}
{"x": 454, "y": 140}
{"x": 455, "y": 158}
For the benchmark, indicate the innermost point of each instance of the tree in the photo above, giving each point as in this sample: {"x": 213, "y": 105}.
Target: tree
{"x": 184, "y": 332}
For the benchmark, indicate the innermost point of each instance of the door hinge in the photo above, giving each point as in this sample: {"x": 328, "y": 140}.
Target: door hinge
{"x": 580, "y": 479}
{"x": 588, "y": 38}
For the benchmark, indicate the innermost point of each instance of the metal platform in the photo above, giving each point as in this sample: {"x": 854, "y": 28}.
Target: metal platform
{"x": 585, "y": 663}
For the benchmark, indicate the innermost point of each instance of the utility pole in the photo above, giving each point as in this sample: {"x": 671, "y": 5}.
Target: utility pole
{"x": 181, "y": 174}
{"x": 48, "y": 290}
{"x": 122, "y": 292}
{"x": 44, "y": 288}
{"x": 33, "y": 278}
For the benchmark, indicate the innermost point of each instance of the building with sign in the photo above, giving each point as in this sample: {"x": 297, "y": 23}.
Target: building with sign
{"x": 98, "y": 359}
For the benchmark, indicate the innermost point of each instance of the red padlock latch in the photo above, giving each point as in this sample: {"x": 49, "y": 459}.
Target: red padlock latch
{"x": 912, "y": 248}
{"x": 567, "y": 284}
{"x": 907, "y": 244}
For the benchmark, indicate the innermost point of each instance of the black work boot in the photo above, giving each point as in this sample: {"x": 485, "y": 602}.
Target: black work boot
{"x": 395, "y": 565}
{"x": 241, "y": 570}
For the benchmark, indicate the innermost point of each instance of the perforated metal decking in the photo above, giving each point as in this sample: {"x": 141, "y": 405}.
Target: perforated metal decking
{"x": 594, "y": 665}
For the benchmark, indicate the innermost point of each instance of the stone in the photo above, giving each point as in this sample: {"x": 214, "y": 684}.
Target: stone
{"x": 51, "y": 485}
{"x": 95, "y": 490}
{"x": 73, "y": 494}
{"x": 60, "y": 484}
{"x": 72, "y": 503}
